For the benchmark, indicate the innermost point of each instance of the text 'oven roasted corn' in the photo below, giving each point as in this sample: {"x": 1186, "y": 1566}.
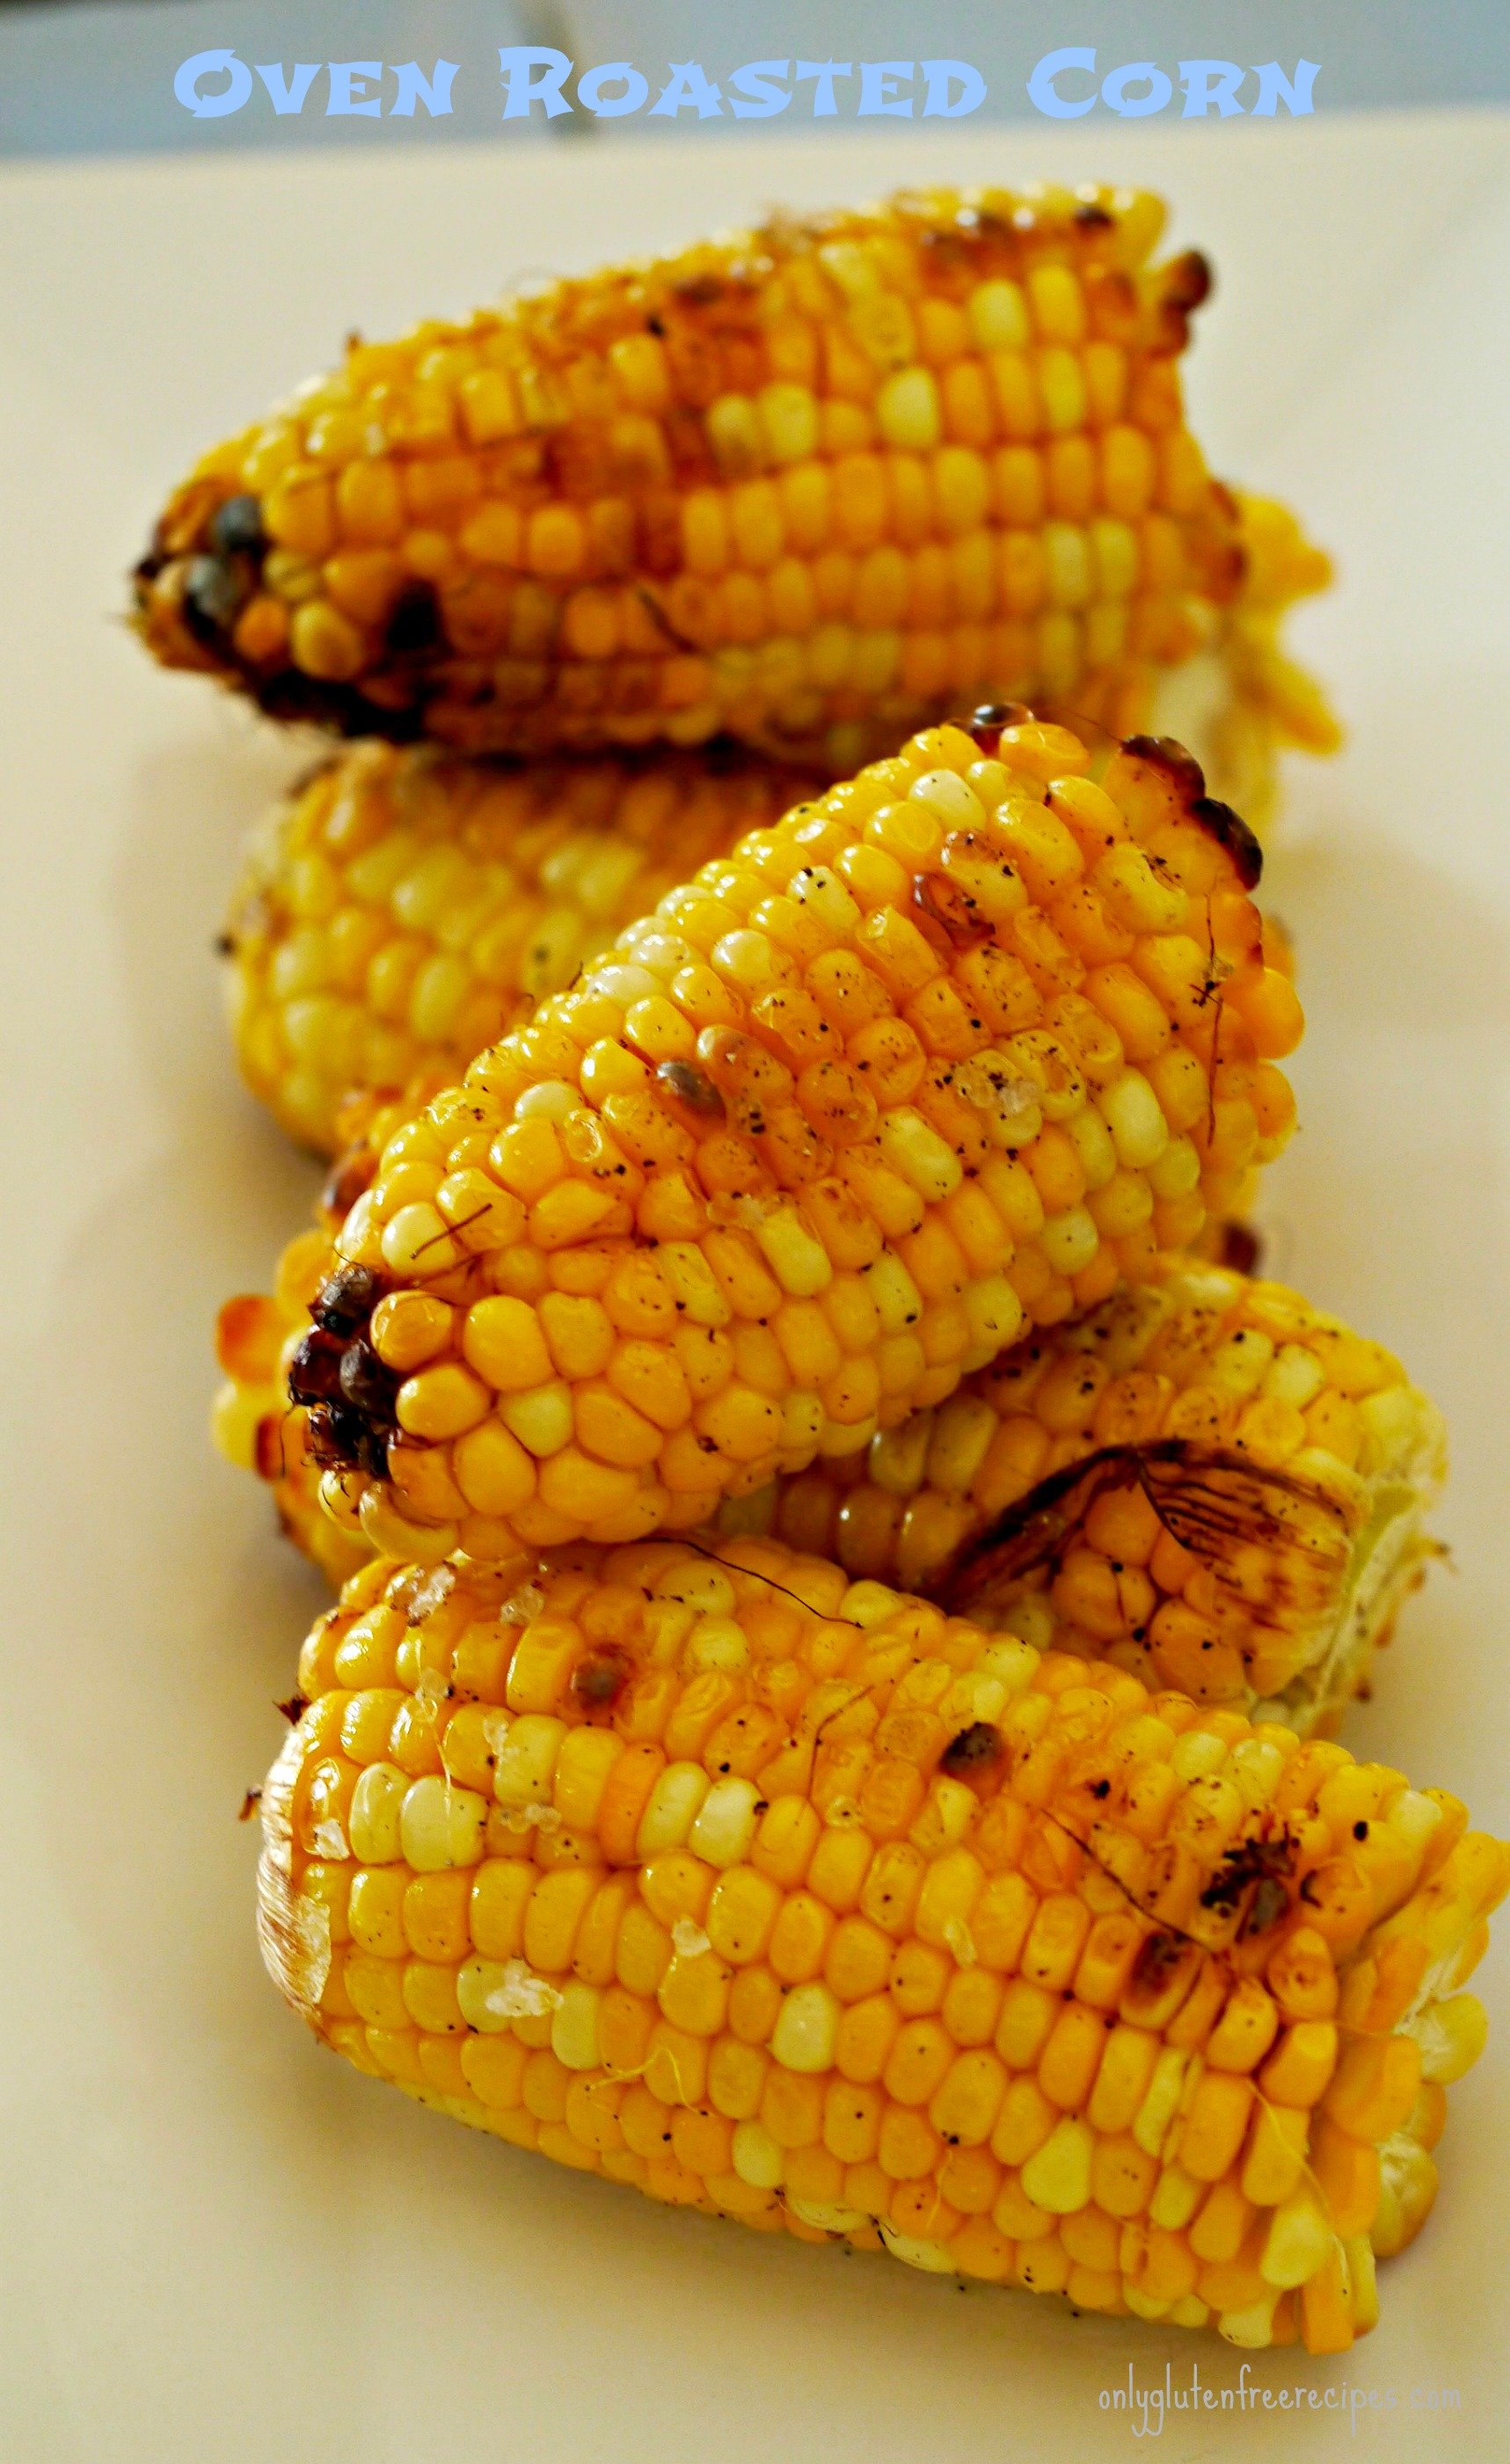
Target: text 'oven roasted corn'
{"x": 816, "y": 485}
{"x": 1206, "y": 1482}
{"x": 952, "y": 1051}
{"x": 795, "y": 1900}
{"x": 403, "y": 910}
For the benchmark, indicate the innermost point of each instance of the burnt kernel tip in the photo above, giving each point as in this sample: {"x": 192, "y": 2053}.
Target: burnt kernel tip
{"x": 987, "y": 723}
{"x": 1242, "y": 1248}
{"x": 1209, "y": 814}
{"x": 368, "y": 1384}
{"x": 347, "y": 1299}
{"x": 348, "y": 1178}
{"x": 1189, "y": 281}
{"x": 1231, "y": 831}
{"x": 314, "y": 1369}
{"x": 1168, "y": 753}
{"x": 1157, "y": 1959}
{"x": 691, "y": 1087}
{"x": 414, "y": 623}
{"x": 215, "y": 590}
{"x": 235, "y": 527}
{"x": 975, "y": 1749}
{"x": 943, "y": 909}
{"x": 600, "y": 1679}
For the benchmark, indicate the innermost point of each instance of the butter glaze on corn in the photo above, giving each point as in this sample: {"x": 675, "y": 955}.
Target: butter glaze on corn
{"x": 794, "y": 1901}
{"x": 950, "y": 1052}
{"x": 1249, "y": 1523}
{"x": 816, "y": 484}
{"x": 403, "y": 910}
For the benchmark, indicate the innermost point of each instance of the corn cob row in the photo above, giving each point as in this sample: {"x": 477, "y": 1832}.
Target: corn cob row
{"x": 1206, "y": 1482}
{"x": 950, "y": 1052}
{"x": 794, "y": 1900}
{"x": 814, "y": 484}
{"x": 403, "y": 910}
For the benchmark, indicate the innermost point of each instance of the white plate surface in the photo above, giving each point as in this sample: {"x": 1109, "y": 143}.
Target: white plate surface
{"x": 218, "y": 2242}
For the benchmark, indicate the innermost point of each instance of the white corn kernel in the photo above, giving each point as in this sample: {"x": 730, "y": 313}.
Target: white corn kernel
{"x": 376, "y": 1803}
{"x": 1131, "y": 1111}
{"x": 898, "y": 1302}
{"x": 806, "y": 2029}
{"x": 907, "y": 410}
{"x": 755, "y": 2156}
{"x": 442, "y": 1825}
{"x": 540, "y": 1418}
{"x": 526, "y": 1761}
{"x": 1300, "y": 2240}
{"x": 574, "y": 2026}
{"x": 1058, "y": 2176}
{"x": 676, "y": 1801}
{"x": 913, "y": 1148}
{"x": 717, "y": 1642}
{"x": 799, "y": 1262}
{"x": 725, "y": 1822}
{"x": 1069, "y": 1240}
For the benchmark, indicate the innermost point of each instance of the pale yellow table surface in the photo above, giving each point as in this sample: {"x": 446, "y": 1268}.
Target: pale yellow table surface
{"x": 215, "y": 2241}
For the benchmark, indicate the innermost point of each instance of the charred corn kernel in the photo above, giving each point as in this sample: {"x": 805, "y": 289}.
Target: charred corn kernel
{"x": 1298, "y": 1562}
{"x": 710, "y": 1178}
{"x": 676, "y": 1988}
{"x": 485, "y": 885}
{"x": 800, "y": 486}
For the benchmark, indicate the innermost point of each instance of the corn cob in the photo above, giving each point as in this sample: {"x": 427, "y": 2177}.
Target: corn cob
{"x": 814, "y": 484}
{"x": 1206, "y": 1482}
{"x": 950, "y": 1052}
{"x": 795, "y": 1900}
{"x": 404, "y": 910}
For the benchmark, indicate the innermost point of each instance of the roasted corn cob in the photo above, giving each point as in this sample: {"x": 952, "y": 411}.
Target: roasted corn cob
{"x": 814, "y": 484}
{"x": 404, "y": 909}
{"x": 1206, "y": 1482}
{"x": 950, "y": 1052}
{"x": 795, "y": 1899}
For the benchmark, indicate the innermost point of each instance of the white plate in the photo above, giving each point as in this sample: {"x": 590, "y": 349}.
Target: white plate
{"x": 217, "y": 2241}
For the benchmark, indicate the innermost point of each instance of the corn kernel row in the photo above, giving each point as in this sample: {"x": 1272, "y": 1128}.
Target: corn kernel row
{"x": 403, "y": 910}
{"x": 789, "y": 1899}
